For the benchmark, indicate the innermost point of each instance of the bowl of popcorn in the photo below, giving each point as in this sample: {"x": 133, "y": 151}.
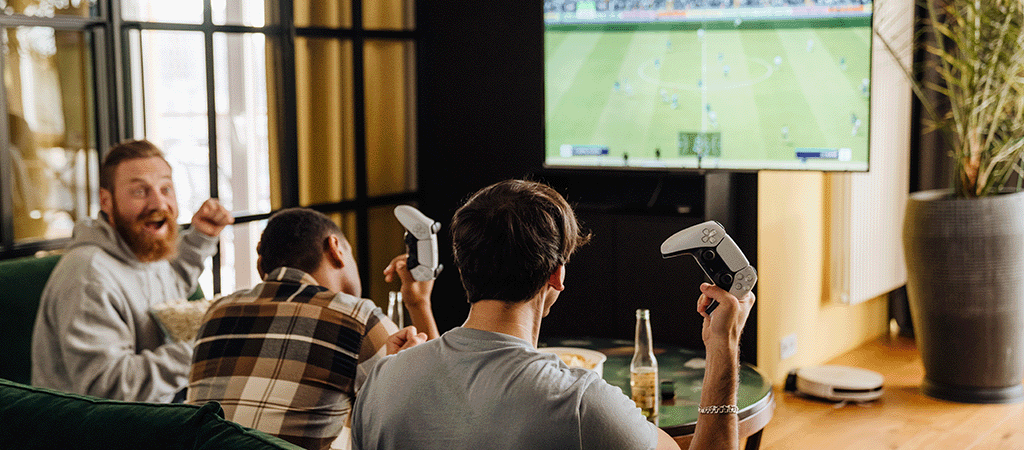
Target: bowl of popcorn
{"x": 180, "y": 319}
{"x": 579, "y": 357}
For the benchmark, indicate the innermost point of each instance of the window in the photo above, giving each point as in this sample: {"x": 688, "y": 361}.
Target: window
{"x": 244, "y": 111}
{"x": 48, "y": 165}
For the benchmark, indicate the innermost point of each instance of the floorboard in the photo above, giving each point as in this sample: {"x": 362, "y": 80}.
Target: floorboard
{"x": 903, "y": 419}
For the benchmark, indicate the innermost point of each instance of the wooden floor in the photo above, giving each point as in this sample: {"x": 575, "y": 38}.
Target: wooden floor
{"x": 903, "y": 419}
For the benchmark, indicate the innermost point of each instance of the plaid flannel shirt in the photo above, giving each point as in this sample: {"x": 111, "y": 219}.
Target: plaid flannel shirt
{"x": 287, "y": 357}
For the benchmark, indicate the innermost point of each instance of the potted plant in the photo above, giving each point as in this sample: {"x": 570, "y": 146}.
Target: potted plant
{"x": 964, "y": 246}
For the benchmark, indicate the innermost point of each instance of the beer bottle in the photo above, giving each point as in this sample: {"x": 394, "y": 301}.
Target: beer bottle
{"x": 643, "y": 369}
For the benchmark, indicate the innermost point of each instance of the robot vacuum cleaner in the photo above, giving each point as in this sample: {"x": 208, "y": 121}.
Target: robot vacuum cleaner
{"x": 836, "y": 383}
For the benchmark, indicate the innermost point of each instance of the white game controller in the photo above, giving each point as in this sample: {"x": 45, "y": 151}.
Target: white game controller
{"x": 717, "y": 255}
{"x": 420, "y": 242}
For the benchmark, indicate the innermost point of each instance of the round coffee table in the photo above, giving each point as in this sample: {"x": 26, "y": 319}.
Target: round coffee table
{"x": 678, "y": 415}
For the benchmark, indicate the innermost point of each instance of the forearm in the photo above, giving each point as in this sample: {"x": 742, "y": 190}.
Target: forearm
{"x": 193, "y": 249}
{"x": 721, "y": 376}
{"x": 422, "y": 317}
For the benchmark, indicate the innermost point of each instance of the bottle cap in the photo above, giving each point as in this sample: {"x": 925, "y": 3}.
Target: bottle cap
{"x": 643, "y": 314}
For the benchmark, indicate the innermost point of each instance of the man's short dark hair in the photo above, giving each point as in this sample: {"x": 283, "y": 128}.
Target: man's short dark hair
{"x": 125, "y": 150}
{"x": 297, "y": 238}
{"x": 509, "y": 238}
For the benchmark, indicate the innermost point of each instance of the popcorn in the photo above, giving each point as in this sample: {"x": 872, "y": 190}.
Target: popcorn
{"x": 574, "y": 360}
{"x": 180, "y": 319}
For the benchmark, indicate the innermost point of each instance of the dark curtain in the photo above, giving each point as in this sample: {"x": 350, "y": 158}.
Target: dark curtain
{"x": 931, "y": 164}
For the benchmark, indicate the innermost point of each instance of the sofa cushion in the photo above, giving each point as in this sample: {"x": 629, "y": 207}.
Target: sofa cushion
{"x": 38, "y": 418}
{"x": 217, "y": 433}
{"x": 23, "y": 280}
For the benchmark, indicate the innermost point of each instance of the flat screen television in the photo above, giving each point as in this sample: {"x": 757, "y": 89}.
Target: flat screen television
{"x": 707, "y": 84}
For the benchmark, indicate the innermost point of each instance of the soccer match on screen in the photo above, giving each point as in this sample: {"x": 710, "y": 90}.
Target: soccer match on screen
{"x": 708, "y": 84}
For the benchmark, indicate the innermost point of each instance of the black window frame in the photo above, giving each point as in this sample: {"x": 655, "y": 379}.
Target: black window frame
{"x": 113, "y": 108}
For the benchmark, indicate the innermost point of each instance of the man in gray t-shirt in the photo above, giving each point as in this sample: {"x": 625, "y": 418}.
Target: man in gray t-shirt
{"x": 478, "y": 389}
{"x": 485, "y": 385}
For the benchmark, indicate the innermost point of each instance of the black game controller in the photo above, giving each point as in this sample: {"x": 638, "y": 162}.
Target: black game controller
{"x": 717, "y": 255}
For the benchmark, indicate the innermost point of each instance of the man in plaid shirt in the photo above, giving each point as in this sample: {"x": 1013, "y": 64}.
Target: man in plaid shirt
{"x": 288, "y": 356}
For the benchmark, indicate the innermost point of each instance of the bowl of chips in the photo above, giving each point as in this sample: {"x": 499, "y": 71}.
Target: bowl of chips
{"x": 579, "y": 357}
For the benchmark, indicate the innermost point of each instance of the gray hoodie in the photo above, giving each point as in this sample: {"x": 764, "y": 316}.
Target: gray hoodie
{"x": 93, "y": 332}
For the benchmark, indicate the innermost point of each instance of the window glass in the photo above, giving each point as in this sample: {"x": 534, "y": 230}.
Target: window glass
{"x": 52, "y": 131}
{"x": 51, "y": 8}
{"x": 388, "y": 14}
{"x": 237, "y": 259}
{"x": 239, "y": 12}
{"x": 390, "y": 110}
{"x": 243, "y": 153}
{"x": 176, "y": 11}
{"x": 323, "y": 13}
{"x": 170, "y": 97}
{"x": 347, "y": 222}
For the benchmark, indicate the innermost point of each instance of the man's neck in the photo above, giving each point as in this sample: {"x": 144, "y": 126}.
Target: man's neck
{"x": 521, "y": 319}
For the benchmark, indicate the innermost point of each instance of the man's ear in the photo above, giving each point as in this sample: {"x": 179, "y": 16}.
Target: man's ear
{"x": 557, "y": 279}
{"x": 259, "y": 259}
{"x": 335, "y": 251}
{"x": 107, "y": 203}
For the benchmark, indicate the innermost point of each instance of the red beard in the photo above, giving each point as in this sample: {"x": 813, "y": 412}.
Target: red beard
{"x": 148, "y": 248}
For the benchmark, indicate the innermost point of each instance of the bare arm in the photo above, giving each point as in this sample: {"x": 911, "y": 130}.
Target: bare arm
{"x": 665, "y": 442}
{"x": 415, "y": 295}
{"x": 721, "y": 335}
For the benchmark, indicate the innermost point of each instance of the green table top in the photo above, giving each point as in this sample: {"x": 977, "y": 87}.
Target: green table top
{"x": 684, "y": 367}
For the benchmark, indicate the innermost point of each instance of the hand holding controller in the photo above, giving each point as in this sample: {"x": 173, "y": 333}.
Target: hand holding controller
{"x": 717, "y": 255}
{"x": 420, "y": 242}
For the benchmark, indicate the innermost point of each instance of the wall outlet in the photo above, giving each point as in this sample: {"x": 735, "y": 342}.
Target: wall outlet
{"x": 787, "y": 346}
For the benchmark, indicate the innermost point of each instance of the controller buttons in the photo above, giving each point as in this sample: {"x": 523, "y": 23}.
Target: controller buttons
{"x": 708, "y": 255}
{"x": 710, "y": 236}
{"x": 737, "y": 287}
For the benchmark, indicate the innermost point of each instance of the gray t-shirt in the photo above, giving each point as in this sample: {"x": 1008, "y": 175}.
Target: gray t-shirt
{"x": 473, "y": 389}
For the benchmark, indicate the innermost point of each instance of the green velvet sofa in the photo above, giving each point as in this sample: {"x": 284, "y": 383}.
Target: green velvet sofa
{"x": 21, "y": 285}
{"x": 38, "y": 418}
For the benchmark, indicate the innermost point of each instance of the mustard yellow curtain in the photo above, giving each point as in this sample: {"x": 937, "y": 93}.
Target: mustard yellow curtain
{"x": 326, "y": 122}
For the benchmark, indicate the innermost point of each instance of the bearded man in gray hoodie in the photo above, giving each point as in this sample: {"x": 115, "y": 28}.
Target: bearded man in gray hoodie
{"x": 93, "y": 333}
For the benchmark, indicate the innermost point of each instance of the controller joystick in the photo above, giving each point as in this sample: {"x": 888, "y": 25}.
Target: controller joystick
{"x": 717, "y": 255}
{"x": 420, "y": 242}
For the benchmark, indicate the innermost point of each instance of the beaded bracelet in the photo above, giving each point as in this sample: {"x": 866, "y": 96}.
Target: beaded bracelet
{"x": 718, "y": 409}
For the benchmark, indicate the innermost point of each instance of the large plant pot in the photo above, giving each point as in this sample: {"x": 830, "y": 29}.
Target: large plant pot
{"x": 965, "y": 284}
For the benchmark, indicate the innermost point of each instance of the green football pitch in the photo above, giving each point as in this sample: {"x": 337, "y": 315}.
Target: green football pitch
{"x": 767, "y": 93}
